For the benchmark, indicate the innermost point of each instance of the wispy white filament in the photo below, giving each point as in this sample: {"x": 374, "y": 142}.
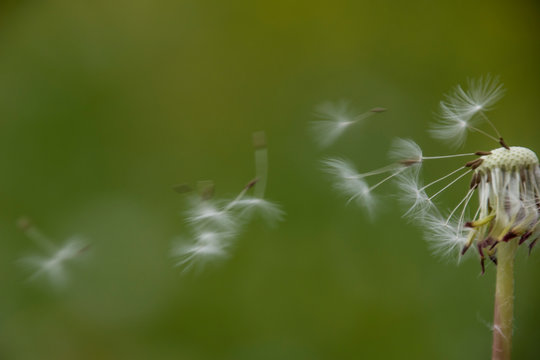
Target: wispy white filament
{"x": 458, "y": 112}
{"x": 444, "y": 238}
{"x": 405, "y": 149}
{"x": 450, "y": 184}
{"x": 215, "y": 224}
{"x": 208, "y": 246}
{"x": 465, "y": 200}
{"x": 461, "y": 168}
{"x": 349, "y": 182}
{"x": 335, "y": 118}
{"x": 506, "y": 179}
{"x": 480, "y": 96}
{"x": 53, "y": 266}
{"x": 413, "y": 194}
{"x": 269, "y": 211}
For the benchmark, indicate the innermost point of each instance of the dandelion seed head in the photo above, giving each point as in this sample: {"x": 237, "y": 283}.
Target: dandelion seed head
{"x": 516, "y": 157}
{"x": 509, "y": 186}
{"x": 508, "y": 192}
{"x": 505, "y": 181}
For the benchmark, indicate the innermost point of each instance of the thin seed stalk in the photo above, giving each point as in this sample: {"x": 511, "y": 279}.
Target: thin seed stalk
{"x": 504, "y": 301}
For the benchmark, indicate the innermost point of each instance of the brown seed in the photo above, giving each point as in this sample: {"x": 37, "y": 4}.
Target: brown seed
{"x": 524, "y": 237}
{"x": 251, "y": 183}
{"x": 24, "y": 223}
{"x": 474, "y": 163}
{"x": 474, "y": 181}
{"x": 409, "y": 162}
{"x": 182, "y": 188}
{"x": 509, "y": 235}
{"x": 482, "y": 153}
{"x": 503, "y": 144}
{"x": 523, "y": 174}
{"x": 259, "y": 140}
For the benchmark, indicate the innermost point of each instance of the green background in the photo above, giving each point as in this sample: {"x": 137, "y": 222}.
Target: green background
{"x": 105, "y": 105}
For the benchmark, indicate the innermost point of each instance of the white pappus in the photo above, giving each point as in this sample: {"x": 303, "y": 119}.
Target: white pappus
{"x": 506, "y": 180}
{"x": 215, "y": 224}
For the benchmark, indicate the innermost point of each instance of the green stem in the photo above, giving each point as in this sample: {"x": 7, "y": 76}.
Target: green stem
{"x": 504, "y": 301}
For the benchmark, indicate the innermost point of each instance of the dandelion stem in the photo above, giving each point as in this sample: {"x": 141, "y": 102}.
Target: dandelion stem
{"x": 504, "y": 301}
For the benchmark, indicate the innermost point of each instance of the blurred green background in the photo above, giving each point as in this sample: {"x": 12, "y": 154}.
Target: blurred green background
{"x": 104, "y": 105}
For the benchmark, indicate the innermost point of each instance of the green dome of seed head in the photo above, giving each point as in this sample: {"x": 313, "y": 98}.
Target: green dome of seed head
{"x": 516, "y": 157}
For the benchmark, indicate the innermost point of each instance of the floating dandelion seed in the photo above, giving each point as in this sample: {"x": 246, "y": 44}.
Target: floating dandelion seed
{"x": 350, "y": 182}
{"x": 215, "y": 224}
{"x": 444, "y": 236}
{"x": 413, "y": 194}
{"x": 208, "y": 246}
{"x": 463, "y": 110}
{"x": 506, "y": 181}
{"x": 335, "y": 119}
{"x": 249, "y": 206}
{"x": 53, "y": 264}
{"x": 207, "y": 213}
